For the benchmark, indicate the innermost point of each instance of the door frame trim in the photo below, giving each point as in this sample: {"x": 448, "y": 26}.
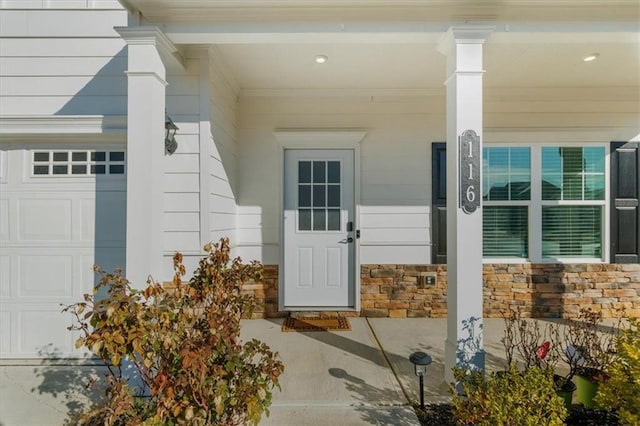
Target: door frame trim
{"x": 317, "y": 139}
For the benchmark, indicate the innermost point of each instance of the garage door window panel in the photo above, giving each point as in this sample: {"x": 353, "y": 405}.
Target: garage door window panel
{"x": 78, "y": 163}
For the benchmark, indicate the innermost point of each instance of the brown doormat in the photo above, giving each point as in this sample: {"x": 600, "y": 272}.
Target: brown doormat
{"x": 316, "y": 324}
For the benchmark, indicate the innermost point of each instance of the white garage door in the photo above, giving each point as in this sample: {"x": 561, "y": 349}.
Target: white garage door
{"x": 62, "y": 209}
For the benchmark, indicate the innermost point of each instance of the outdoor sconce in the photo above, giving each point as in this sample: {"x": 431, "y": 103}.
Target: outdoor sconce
{"x": 420, "y": 361}
{"x": 170, "y": 144}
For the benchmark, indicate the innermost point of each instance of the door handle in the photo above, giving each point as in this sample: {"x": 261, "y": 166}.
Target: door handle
{"x": 350, "y": 240}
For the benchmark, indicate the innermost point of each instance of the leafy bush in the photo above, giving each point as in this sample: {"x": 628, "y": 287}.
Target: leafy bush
{"x": 622, "y": 391}
{"x": 183, "y": 343}
{"x": 509, "y": 398}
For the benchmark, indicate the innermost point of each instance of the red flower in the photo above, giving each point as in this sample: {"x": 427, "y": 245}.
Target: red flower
{"x": 543, "y": 350}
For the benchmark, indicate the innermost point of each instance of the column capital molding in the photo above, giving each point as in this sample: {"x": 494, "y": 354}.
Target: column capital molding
{"x": 147, "y": 74}
{"x": 151, "y": 36}
{"x": 463, "y": 34}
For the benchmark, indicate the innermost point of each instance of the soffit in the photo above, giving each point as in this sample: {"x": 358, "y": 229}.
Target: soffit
{"x": 366, "y": 66}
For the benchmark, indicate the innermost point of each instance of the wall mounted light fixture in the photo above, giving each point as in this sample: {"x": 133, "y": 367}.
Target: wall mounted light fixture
{"x": 170, "y": 144}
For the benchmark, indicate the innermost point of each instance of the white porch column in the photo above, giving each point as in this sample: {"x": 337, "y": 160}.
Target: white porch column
{"x": 145, "y": 151}
{"x": 464, "y": 345}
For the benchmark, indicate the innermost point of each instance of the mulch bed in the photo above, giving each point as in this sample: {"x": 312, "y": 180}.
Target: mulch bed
{"x": 440, "y": 415}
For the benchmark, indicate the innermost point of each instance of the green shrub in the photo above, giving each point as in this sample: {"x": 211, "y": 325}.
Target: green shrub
{"x": 509, "y": 398}
{"x": 621, "y": 391}
{"x": 183, "y": 343}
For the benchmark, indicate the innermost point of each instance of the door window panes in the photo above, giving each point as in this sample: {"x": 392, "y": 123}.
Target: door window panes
{"x": 319, "y": 220}
{"x": 333, "y": 196}
{"x": 319, "y": 199}
{"x": 304, "y": 195}
{"x": 333, "y": 220}
{"x": 319, "y": 171}
{"x": 319, "y": 195}
{"x": 304, "y": 172}
{"x": 333, "y": 172}
{"x": 304, "y": 219}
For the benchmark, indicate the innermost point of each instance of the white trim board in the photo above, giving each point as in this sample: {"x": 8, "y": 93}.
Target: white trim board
{"x": 62, "y": 124}
{"x": 319, "y": 139}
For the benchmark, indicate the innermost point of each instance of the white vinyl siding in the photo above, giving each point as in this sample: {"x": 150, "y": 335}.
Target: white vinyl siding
{"x": 62, "y": 62}
{"x": 222, "y": 152}
{"x": 181, "y": 177}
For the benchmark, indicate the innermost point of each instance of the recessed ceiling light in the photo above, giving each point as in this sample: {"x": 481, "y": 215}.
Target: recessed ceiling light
{"x": 591, "y": 57}
{"x": 321, "y": 59}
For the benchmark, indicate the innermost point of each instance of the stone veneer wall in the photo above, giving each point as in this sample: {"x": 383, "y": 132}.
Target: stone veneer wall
{"x": 266, "y": 291}
{"x": 538, "y": 290}
{"x": 562, "y": 290}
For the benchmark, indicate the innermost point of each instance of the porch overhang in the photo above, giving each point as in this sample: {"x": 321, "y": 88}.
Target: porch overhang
{"x": 269, "y": 46}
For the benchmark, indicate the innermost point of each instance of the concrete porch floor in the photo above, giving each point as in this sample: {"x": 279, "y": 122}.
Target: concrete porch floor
{"x": 356, "y": 377}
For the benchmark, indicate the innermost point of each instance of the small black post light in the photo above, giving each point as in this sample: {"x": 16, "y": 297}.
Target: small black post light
{"x": 170, "y": 144}
{"x": 420, "y": 360}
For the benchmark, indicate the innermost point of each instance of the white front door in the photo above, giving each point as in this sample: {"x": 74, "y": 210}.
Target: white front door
{"x": 319, "y": 229}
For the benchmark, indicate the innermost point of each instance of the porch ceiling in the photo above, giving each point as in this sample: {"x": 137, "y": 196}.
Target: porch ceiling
{"x": 391, "y": 44}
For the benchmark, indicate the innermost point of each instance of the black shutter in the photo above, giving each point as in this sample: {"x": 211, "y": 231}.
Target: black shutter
{"x": 625, "y": 183}
{"x": 439, "y": 202}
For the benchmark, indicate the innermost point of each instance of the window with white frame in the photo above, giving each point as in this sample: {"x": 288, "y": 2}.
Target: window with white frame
{"x": 507, "y": 199}
{"x": 544, "y": 202}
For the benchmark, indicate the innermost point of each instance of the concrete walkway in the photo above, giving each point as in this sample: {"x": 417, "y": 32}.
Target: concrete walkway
{"x": 357, "y": 377}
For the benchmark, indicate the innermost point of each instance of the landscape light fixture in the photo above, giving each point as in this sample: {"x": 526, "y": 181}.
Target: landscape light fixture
{"x": 170, "y": 144}
{"x": 420, "y": 361}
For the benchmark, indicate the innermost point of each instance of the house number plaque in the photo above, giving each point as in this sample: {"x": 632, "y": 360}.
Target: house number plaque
{"x": 469, "y": 152}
